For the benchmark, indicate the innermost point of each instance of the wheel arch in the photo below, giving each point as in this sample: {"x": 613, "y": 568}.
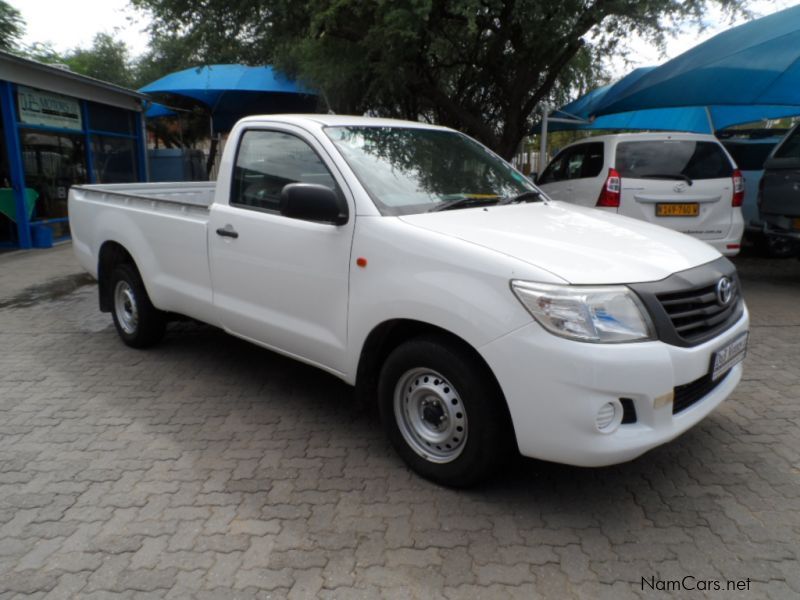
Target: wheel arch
{"x": 388, "y": 335}
{"x": 110, "y": 255}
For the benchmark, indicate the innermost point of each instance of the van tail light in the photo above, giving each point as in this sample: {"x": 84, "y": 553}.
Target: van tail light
{"x": 612, "y": 188}
{"x": 738, "y": 188}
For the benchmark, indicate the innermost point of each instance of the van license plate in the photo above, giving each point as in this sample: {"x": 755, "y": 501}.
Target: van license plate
{"x": 728, "y": 356}
{"x": 675, "y": 209}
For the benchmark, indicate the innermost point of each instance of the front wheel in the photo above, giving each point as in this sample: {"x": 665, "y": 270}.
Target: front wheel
{"x": 138, "y": 322}
{"x": 443, "y": 412}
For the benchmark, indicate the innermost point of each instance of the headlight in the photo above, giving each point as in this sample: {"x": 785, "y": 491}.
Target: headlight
{"x": 605, "y": 314}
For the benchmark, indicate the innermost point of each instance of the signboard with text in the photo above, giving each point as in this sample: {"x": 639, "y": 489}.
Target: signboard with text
{"x": 45, "y": 108}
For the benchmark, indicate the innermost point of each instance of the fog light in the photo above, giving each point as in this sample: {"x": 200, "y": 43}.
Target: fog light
{"x": 608, "y": 417}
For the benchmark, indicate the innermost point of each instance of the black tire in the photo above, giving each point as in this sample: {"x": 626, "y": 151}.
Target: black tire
{"x": 148, "y": 325}
{"x": 465, "y": 385}
{"x": 773, "y": 246}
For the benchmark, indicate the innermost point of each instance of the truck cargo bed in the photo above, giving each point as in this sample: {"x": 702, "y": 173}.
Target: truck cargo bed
{"x": 199, "y": 193}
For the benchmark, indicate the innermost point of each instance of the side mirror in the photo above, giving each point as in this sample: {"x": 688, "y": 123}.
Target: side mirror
{"x": 312, "y": 202}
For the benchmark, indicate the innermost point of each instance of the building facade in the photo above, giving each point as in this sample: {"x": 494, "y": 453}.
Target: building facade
{"x": 59, "y": 128}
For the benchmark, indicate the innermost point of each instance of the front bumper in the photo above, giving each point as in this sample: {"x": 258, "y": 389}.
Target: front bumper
{"x": 555, "y": 387}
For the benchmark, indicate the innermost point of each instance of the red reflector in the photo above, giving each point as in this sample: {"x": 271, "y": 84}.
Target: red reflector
{"x": 733, "y": 246}
{"x": 612, "y": 188}
{"x": 361, "y": 262}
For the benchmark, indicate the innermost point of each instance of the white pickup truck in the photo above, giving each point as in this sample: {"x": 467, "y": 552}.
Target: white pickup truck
{"x": 413, "y": 263}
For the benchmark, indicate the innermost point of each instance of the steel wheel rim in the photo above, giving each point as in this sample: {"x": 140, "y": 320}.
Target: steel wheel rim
{"x": 125, "y": 307}
{"x": 430, "y": 415}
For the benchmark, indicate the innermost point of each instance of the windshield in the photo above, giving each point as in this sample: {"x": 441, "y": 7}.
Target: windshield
{"x": 409, "y": 170}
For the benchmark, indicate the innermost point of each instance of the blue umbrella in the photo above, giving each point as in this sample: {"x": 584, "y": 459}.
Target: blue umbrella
{"x": 233, "y": 91}
{"x": 157, "y": 111}
{"x": 757, "y": 63}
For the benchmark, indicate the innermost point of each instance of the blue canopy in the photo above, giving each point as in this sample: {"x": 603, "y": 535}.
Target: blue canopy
{"x": 587, "y": 105}
{"x": 757, "y": 63}
{"x": 233, "y": 91}
{"x": 693, "y": 119}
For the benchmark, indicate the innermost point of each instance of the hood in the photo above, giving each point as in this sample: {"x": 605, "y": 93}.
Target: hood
{"x": 580, "y": 245}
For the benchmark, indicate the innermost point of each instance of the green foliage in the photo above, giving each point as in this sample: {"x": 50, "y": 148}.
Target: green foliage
{"x": 166, "y": 54}
{"x": 12, "y": 27}
{"x": 106, "y": 59}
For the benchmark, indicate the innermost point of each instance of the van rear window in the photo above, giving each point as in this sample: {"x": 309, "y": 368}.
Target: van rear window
{"x": 668, "y": 159}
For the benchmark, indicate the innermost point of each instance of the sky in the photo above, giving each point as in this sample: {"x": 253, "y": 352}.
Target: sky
{"x": 71, "y": 23}
{"x": 67, "y": 24}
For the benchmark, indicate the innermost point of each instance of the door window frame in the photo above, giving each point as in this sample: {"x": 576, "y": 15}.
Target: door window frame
{"x": 333, "y": 171}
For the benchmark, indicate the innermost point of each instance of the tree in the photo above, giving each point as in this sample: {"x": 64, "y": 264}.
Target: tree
{"x": 481, "y": 66}
{"x": 12, "y": 27}
{"x": 165, "y": 54}
{"x": 107, "y": 59}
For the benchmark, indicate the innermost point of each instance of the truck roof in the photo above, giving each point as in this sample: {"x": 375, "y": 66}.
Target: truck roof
{"x": 339, "y": 121}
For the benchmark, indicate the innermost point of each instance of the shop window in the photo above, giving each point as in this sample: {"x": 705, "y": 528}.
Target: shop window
{"x": 110, "y": 118}
{"x": 114, "y": 159}
{"x": 53, "y": 162}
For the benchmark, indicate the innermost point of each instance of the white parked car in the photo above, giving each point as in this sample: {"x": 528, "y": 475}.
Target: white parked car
{"x": 684, "y": 181}
{"x": 413, "y": 263}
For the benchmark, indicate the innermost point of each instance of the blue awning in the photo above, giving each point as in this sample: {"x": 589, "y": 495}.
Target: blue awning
{"x": 757, "y": 63}
{"x": 690, "y": 118}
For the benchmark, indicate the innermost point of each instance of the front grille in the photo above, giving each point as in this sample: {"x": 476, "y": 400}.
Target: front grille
{"x": 696, "y": 314}
{"x": 690, "y": 393}
{"x": 684, "y": 306}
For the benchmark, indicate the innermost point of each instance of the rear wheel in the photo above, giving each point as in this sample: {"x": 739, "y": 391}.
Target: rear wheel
{"x": 773, "y": 246}
{"x": 442, "y": 411}
{"x": 138, "y": 322}
{"x": 780, "y": 247}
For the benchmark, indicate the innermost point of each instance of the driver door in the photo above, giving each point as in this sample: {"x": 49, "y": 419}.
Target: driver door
{"x": 279, "y": 281}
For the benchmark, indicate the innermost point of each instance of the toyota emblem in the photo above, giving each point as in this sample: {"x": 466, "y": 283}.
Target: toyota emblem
{"x": 680, "y": 187}
{"x": 724, "y": 291}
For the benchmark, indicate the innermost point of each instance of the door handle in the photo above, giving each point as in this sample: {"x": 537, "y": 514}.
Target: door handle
{"x": 228, "y": 231}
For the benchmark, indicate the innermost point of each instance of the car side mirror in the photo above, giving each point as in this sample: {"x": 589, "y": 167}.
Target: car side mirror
{"x": 312, "y": 202}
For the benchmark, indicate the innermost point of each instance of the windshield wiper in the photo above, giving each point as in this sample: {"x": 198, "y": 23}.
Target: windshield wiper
{"x": 464, "y": 203}
{"x": 681, "y": 176}
{"x": 526, "y": 196}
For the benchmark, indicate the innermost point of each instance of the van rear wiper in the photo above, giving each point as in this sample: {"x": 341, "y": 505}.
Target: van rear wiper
{"x": 680, "y": 176}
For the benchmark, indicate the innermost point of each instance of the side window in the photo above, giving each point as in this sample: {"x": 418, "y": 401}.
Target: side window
{"x": 269, "y": 160}
{"x": 791, "y": 147}
{"x": 579, "y": 162}
{"x": 555, "y": 170}
{"x": 585, "y": 161}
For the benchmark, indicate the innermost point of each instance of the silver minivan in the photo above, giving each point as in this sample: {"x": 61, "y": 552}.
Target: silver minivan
{"x": 684, "y": 181}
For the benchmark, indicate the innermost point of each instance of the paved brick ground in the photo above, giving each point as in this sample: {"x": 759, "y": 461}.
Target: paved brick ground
{"x": 207, "y": 468}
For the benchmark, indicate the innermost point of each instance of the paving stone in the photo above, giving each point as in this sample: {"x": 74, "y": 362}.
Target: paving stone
{"x": 208, "y": 468}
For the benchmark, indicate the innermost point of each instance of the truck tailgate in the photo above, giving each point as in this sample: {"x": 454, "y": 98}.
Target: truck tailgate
{"x": 781, "y": 187}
